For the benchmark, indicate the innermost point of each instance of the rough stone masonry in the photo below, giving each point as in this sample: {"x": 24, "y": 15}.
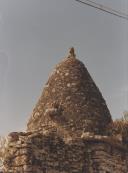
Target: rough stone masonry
{"x": 68, "y": 129}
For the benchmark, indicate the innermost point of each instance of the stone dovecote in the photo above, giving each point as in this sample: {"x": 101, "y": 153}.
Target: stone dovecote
{"x": 70, "y": 129}
{"x": 72, "y": 100}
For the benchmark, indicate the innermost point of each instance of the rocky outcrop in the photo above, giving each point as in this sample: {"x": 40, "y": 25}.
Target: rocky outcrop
{"x": 70, "y": 130}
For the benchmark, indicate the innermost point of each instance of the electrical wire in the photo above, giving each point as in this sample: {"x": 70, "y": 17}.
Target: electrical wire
{"x": 104, "y": 8}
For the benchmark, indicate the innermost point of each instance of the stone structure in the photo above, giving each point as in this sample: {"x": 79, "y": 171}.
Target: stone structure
{"x": 71, "y": 100}
{"x": 68, "y": 130}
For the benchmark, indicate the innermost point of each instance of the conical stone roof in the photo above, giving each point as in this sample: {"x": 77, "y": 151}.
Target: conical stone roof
{"x": 71, "y": 100}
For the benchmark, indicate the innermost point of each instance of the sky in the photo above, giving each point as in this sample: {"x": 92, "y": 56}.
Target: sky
{"x": 36, "y": 34}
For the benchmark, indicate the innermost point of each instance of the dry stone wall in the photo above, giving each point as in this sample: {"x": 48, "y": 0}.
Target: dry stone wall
{"x": 39, "y": 153}
{"x": 71, "y": 99}
{"x": 104, "y": 158}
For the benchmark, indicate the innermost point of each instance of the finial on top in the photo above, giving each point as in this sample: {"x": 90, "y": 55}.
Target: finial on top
{"x": 72, "y": 53}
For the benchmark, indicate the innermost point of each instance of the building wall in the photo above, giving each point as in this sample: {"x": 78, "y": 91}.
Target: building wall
{"x": 37, "y": 153}
{"x": 106, "y": 158}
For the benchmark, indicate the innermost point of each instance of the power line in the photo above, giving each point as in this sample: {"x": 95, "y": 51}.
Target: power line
{"x": 104, "y": 8}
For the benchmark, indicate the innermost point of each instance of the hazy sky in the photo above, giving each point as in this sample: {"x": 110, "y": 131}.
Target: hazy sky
{"x": 36, "y": 34}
